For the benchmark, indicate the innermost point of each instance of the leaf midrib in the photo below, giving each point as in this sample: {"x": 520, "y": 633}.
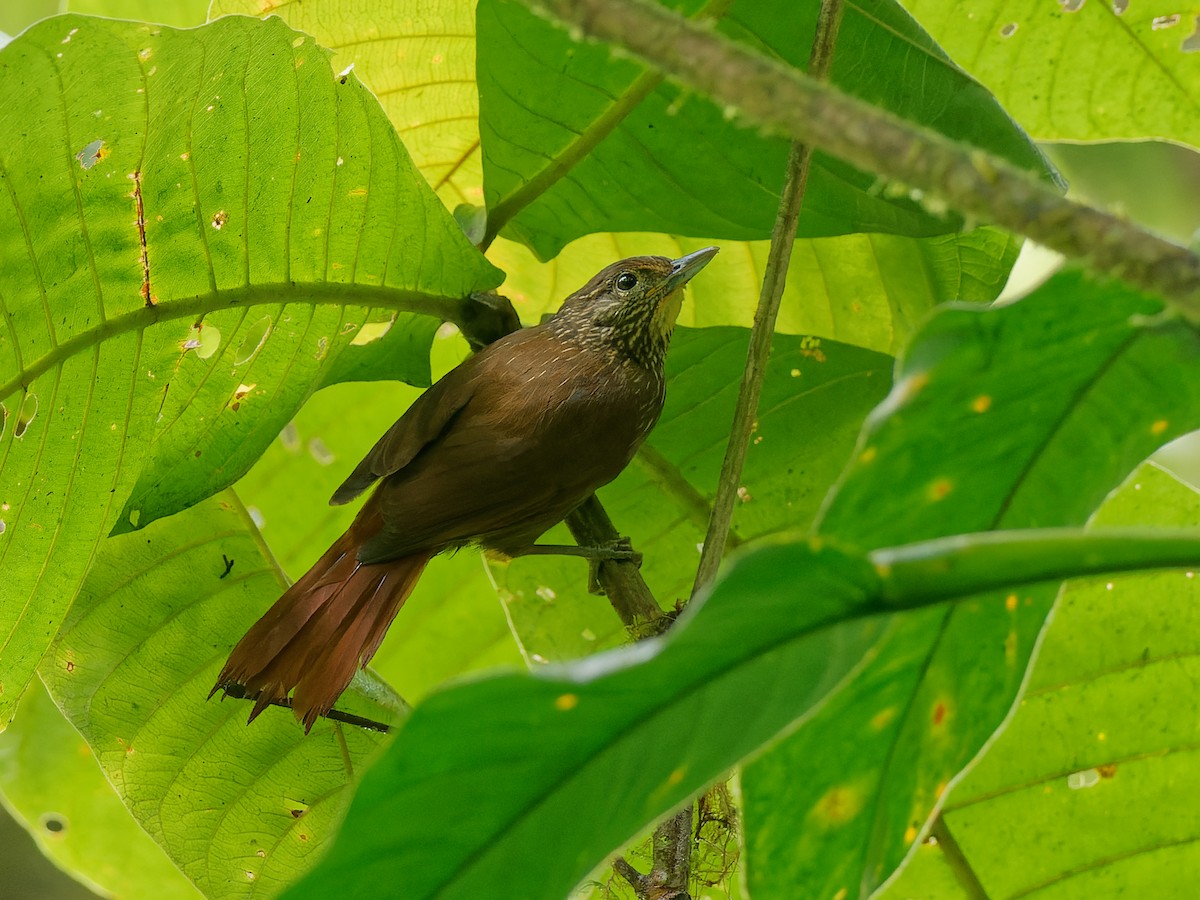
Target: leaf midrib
{"x": 453, "y": 309}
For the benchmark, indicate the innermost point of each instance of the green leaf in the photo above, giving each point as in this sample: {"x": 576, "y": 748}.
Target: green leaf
{"x": 240, "y": 809}
{"x": 662, "y": 500}
{"x": 1013, "y": 417}
{"x": 577, "y": 140}
{"x": 870, "y": 290}
{"x": 1040, "y": 61}
{"x": 583, "y": 755}
{"x": 419, "y": 60}
{"x": 1090, "y": 784}
{"x": 182, "y": 260}
{"x": 179, "y": 13}
{"x": 580, "y": 756}
{"x": 51, "y": 779}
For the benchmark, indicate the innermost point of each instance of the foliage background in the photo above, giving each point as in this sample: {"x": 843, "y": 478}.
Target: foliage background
{"x": 490, "y": 644}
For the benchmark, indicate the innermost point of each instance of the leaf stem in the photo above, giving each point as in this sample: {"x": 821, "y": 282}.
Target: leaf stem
{"x": 782, "y": 100}
{"x": 605, "y": 124}
{"x": 783, "y": 237}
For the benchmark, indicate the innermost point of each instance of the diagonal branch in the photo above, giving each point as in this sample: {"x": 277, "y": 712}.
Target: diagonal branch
{"x": 784, "y": 101}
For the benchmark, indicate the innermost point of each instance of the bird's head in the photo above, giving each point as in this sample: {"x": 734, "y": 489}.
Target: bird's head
{"x": 631, "y": 305}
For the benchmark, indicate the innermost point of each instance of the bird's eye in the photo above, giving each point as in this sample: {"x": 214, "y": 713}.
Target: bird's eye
{"x": 626, "y": 281}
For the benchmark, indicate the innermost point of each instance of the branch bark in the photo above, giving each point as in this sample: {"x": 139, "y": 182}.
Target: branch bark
{"x": 783, "y": 101}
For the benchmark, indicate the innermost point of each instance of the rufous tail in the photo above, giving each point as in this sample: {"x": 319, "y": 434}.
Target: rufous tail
{"x": 324, "y": 627}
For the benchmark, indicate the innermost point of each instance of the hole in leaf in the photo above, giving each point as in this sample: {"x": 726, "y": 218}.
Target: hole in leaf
{"x": 1119, "y": 6}
{"x": 91, "y": 154}
{"x": 29, "y": 408}
{"x": 1158, "y": 23}
{"x": 1008, "y": 30}
{"x": 255, "y": 337}
{"x": 204, "y": 339}
{"x": 290, "y": 437}
{"x": 1191, "y": 43}
{"x": 220, "y": 217}
{"x": 372, "y": 331}
{"x": 320, "y": 452}
{"x": 55, "y": 823}
{"x": 1071, "y": 6}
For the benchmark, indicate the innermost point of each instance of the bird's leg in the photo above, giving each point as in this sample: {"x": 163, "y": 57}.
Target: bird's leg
{"x": 620, "y": 550}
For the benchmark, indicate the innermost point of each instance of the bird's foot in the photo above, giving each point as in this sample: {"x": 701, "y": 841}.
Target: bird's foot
{"x": 617, "y": 551}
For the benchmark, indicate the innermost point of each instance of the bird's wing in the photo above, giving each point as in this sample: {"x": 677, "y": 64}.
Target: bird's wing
{"x": 422, "y": 423}
{"x": 522, "y": 453}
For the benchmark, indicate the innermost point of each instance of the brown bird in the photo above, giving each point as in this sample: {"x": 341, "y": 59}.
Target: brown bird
{"x": 500, "y": 449}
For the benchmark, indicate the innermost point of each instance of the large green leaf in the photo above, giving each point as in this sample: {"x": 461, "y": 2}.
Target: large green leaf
{"x": 49, "y": 776}
{"x": 419, "y": 60}
{"x": 580, "y": 756}
{"x": 577, "y": 140}
{"x": 662, "y": 500}
{"x": 240, "y": 809}
{"x": 1040, "y": 60}
{"x": 870, "y": 290}
{"x": 1092, "y": 783}
{"x": 1019, "y": 416}
{"x": 193, "y": 226}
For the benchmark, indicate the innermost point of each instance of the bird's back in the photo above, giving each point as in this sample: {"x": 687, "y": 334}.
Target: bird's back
{"x": 548, "y": 420}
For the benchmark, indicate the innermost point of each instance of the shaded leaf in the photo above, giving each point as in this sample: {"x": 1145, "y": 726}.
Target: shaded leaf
{"x": 577, "y": 140}
{"x": 240, "y": 809}
{"x": 1020, "y": 416}
{"x": 50, "y": 777}
{"x": 580, "y": 756}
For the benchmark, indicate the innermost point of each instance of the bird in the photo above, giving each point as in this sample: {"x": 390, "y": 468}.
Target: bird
{"x": 499, "y": 450}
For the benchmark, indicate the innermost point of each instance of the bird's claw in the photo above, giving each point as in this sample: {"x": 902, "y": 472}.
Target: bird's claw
{"x": 621, "y": 551}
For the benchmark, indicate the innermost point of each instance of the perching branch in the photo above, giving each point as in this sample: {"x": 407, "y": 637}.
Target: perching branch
{"x": 784, "y": 101}
{"x": 783, "y": 236}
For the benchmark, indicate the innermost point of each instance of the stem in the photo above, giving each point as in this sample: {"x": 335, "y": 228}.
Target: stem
{"x": 783, "y": 237}
{"x": 784, "y": 101}
{"x": 579, "y": 149}
{"x": 956, "y": 860}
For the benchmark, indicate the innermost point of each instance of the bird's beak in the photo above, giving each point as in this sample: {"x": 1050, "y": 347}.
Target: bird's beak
{"x": 684, "y": 268}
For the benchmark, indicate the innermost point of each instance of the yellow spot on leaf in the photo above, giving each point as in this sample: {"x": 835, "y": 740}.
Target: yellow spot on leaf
{"x": 868, "y": 455}
{"x": 677, "y": 776}
{"x": 1159, "y": 427}
{"x": 883, "y": 718}
{"x": 939, "y": 489}
{"x": 1010, "y": 602}
{"x": 982, "y": 403}
{"x": 910, "y": 834}
{"x": 566, "y": 702}
{"x": 838, "y": 805}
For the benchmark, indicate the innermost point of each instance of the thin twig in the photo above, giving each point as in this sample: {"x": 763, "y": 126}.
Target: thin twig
{"x": 237, "y": 692}
{"x": 673, "y": 841}
{"x": 956, "y": 860}
{"x": 983, "y": 187}
{"x": 783, "y": 237}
